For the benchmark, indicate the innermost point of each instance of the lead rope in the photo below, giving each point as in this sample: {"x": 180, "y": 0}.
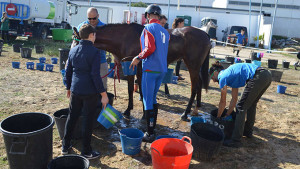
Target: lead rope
{"x": 116, "y": 68}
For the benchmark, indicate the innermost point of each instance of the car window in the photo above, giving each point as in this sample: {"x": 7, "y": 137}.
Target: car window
{"x": 237, "y": 29}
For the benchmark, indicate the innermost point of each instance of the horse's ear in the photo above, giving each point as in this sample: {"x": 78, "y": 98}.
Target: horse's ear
{"x": 76, "y": 33}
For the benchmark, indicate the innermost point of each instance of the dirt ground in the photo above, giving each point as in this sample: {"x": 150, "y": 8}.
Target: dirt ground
{"x": 276, "y": 142}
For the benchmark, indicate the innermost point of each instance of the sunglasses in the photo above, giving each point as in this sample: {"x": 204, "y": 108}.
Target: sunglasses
{"x": 92, "y": 18}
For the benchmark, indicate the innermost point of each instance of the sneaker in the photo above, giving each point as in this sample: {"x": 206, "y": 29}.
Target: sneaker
{"x": 148, "y": 137}
{"x": 65, "y": 150}
{"x": 92, "y": 155}
{"x": 232, "y": 143}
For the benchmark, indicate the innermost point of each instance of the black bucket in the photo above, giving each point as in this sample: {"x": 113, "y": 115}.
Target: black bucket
{"x": 63, "y": 57}
{"x": 272, "y": 63}
{"x": 225, "y": 64}
{"x": 248, "y": 60}
{"x": 254, "y": 56}
{"x": 285, "y": 64}
{"x": 26, "y": 52}
{"x": 228, "y": 125}
{"x": 28, "y": 140}
{"x": 229, "y": 59}
{"x": 39, "y": 48}
{"x": 69, "y": 162}
{"x": 16, "y": 47}
{"x": 207, "y": 140}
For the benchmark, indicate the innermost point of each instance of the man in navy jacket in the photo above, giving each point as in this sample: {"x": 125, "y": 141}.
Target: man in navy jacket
{"x": 84, "y": 85}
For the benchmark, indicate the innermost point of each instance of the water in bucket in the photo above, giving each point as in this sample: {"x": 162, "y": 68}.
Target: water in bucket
{"x": 131, "y": 140}
{"x": 171, "y": 153}
{"x": 109, "y": 116}
{"x": 126, "y": 70}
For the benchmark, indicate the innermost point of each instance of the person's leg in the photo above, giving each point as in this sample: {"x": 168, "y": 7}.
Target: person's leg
{"x": 90, "y": 106}
{"x": 103, "y": 72}
{"x": 252, "y": 93}
{"x": 75, "y": 107}
{"x": 158, "y": 82}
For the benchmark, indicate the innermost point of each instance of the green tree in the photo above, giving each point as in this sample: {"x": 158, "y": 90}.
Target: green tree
{"x": 139, "y": 4}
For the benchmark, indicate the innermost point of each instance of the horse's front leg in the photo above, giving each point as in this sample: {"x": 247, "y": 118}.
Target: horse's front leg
{"x": 139, "y": 81}
{"x": 198, "y": 99}
{"x": 130, "y": 80}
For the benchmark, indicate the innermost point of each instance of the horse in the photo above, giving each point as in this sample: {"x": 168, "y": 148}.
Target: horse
{"x": 187, "y": 43}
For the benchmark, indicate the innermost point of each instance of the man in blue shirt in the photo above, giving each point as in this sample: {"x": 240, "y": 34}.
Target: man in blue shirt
{"x": 239, "y": 41}
{"x": 257, "y": 81}
{"x": 154, "y": 42}
{"x": 93, "y": 19}
{"x": 84, "y": 85}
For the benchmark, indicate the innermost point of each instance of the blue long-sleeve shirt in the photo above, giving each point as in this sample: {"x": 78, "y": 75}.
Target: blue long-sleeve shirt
{"x": 83, "y": 69}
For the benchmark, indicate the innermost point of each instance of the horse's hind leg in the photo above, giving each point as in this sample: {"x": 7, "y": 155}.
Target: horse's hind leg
{"x": 198, "y": 98}
{"x": 130, "y": 80}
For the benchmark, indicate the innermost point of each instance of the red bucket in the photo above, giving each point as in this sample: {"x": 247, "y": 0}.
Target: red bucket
{"x": 171, "y": 153}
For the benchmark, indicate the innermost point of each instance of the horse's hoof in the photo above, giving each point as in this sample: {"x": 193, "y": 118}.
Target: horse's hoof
{"x": 185, "y": 118}
{"x": 168, "y": 95}
{"x": 126, "y": 115}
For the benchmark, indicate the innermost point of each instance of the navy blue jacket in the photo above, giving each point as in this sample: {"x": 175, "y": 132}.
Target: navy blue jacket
{"x": 83, "y": 69}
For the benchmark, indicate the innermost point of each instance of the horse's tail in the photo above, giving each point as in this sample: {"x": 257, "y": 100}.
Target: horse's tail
{"x": 204, "y": 72}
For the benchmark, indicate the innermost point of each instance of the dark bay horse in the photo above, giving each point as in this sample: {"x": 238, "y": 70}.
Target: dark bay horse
{"x": 189, "y": 43}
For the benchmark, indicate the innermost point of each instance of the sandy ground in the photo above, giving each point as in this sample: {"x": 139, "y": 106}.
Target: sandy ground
{"x": 276, "y": 142}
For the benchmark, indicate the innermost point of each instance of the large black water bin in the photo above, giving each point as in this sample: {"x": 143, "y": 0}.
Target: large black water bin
{"x": 28, "y": 140}
{"x": 63, "y": 57}
{"x": 207, "y": 140}
{"x": 69, "y": 162}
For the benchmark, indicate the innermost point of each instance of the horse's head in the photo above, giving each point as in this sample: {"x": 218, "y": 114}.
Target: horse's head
{"x": 76, "y": 37}
{"x": 212, "y": 24}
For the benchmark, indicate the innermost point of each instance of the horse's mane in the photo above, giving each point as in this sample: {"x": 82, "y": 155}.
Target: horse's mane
{"x": 119, "y": 25}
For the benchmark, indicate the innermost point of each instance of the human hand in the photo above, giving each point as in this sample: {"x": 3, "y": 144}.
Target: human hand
{"x": 68, "y": 93}
{"x": 104, "y": 101}
{"x": 134, "y": 62}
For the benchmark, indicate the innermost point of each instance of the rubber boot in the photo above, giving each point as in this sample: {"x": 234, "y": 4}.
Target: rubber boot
{"x": 149, "y": 135}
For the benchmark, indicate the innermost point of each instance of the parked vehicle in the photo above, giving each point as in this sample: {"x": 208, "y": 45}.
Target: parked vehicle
{"x": 234, "y": 30}
{"x": 35, "y": 18}
{"x": 209, "y": 28}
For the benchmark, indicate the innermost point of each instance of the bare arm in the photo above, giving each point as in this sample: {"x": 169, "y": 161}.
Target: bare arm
{"x": 234, "y": 95}
{"x": 222, "y": 102}
{"x": 2, "y": 19}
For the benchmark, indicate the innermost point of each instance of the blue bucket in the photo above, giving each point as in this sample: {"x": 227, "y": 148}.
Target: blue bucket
{"x": 256, "y": 62}
{"x": 111, "y": 74}
{"x": 16, "y": 65}
{"x": 168, "y": 77}
{"x": 131, "y": 140}
{"x": 237, "y": 60}
{"x": 63, "y": 73}
{"x": 49, "y": 67}
{"x": 126, "y": 70}
{"x": 54, "y": 60}
{"x": 197, "y": 120}
{"x": 175, "y": 80}
{"x": 281, "y": 89}
{"x": 111, "y": 65}
{"x": 109, "y": 116}
{"x": 30, "y": 65}
{"x": 40, "y": 66}
{"x": 42, "y": 59}
{"x": 165, "y": 136}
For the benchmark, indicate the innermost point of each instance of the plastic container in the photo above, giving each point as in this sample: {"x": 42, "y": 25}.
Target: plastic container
{"x": 272, "y": 63}
{"x": 227, "y": 122}
{"x": 238, "y": 60}
{"x": 69, "y": 162}
{"x": 42, "y": 60}
{"x": 229, "y": 59}
{"x": 109, "y": 116}
{"x": 285, "y": 65}
{"x": 207, "y": 140}
{"x": 281, "y": 89}
{"x": 63, "y": 73}
{"x": 168, "y": 76}
{"x": 30, "y": 65}
{"x": 171, "y": 153}
{"x": 63, "y": 57}
{"x": 131, "y": 140}
{"x": 49, "y": 67}
{"x": 111, "y": 74}
{"x": 54, "y": 60}
{"x": 225, "y": 64}
{"x": 28, "y": 140}
{"x": 165, "y": 136}
{"x": 126, "y": 70}
{"x": 256, "y": 62}
{"x": 248, "y": 60}
{"x": 111, "y": 65}
{"x": 195, "y": 119}
{"x": 62, "y": 34}
{"x": 15, "y": 65}
{"x": 254, "y": 56}
{"x": 40, "y": 66}
{"x": 39, "y": 49}
{"x": 26, "y": 52}
{"x": 16, "y": 47}
{"x": 175, "y": 80}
